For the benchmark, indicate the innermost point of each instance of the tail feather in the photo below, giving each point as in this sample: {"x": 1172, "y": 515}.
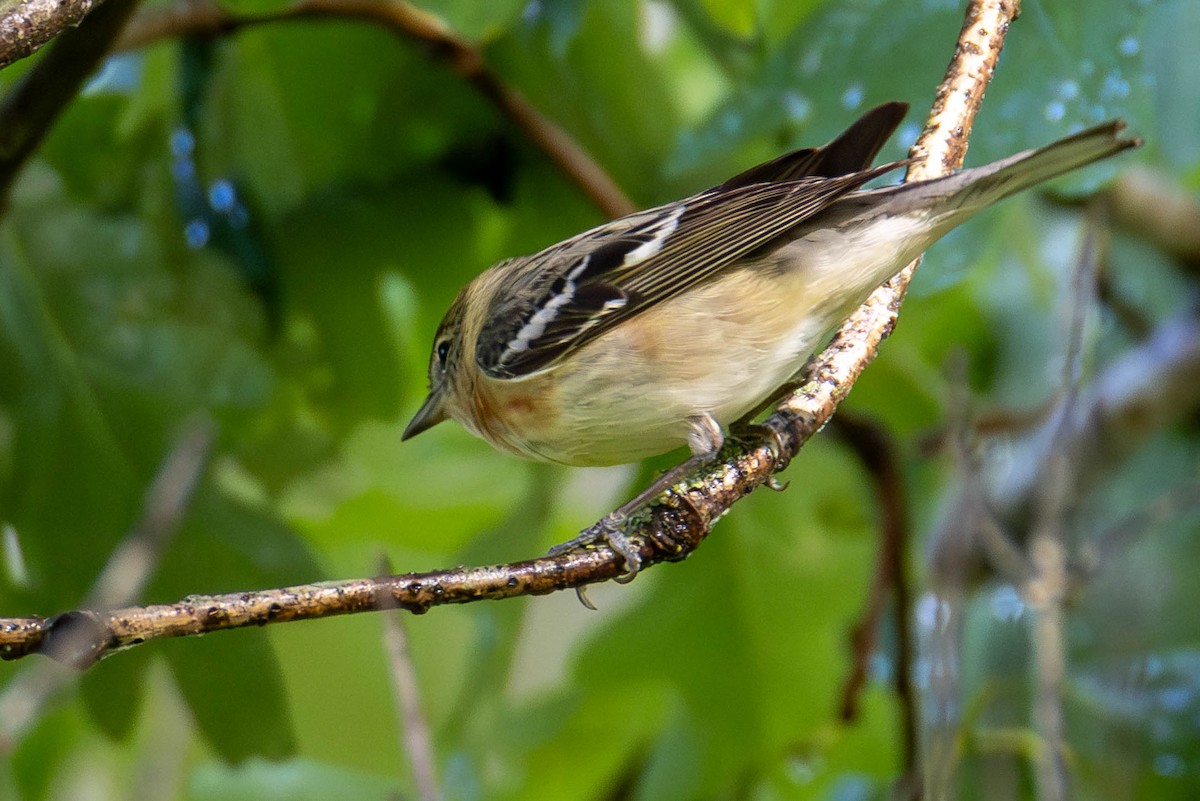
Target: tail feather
{"x": 973, "y": 189}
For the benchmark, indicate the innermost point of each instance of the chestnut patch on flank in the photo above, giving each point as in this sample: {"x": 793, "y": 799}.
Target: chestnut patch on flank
{"x": 521, "y": 404}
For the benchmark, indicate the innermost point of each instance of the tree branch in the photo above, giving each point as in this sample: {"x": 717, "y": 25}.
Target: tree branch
{"x": 26, "y": 26}
{"x": 673, "y": 526}
{"x": 209, "y": 18}
{"x": 30, "y": 109}
{"x": 415, "y": 592}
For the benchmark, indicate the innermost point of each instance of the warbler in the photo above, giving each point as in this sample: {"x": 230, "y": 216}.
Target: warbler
{"x": 663, "y": 327}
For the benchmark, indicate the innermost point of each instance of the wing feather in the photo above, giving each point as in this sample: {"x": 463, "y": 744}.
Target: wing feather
{"x": 607, "y": 275}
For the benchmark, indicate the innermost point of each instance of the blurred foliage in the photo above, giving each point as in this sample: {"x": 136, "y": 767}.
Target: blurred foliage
{"x": 266, "y": 228}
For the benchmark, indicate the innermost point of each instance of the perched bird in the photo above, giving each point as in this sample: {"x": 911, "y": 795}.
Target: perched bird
{"x": 661, "y": 328}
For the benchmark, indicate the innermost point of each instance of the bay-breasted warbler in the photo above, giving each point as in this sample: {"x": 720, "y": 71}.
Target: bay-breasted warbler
{"x": 661, "y": 328}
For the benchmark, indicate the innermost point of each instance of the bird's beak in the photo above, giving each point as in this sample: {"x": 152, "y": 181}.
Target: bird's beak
{"x": 429, "y": 415}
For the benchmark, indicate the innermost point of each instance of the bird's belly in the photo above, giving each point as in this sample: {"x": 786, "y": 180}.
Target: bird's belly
{"x": 629, "y": 393}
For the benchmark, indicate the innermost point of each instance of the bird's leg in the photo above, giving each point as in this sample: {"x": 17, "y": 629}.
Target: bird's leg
{"x": 744, "y": 428}
{"x": 705, "y": 438}
{"x": 745, "y": 424}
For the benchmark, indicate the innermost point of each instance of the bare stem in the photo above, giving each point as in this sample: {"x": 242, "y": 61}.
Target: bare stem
{"x": 418, "y": 744}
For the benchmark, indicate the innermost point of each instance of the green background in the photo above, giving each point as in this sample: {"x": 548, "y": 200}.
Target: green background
{"x": 368, "y": 184}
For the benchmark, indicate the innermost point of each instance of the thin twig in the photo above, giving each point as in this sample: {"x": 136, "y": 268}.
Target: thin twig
{"x": 120, "y": 582}
{"x": 1046, "y": 590}
{"x": 418, "y": 743}
{"x": 209, "y": 18}
{"x": 1084, "y": 277}
{"x": 1045, "y": 595}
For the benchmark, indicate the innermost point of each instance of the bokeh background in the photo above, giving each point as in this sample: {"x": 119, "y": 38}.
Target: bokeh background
{"x": 261, "y": 228}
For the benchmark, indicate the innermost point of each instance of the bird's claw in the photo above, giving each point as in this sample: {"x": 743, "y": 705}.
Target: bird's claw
{"x": 774, "y": 484}
{"x": 610, "y": 531}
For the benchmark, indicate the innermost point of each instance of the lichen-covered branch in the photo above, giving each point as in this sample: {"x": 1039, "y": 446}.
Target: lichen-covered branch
{"x": 84, "y": 636}
{"x": 26, "y": 26}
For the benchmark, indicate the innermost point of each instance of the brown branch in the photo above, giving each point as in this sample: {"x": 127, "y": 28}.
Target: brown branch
{"x": 671, "y": 528}
{"x": 938, "y": 151}
{"x": 1156, "y": 208}
{"x": 877, "y": 452}
{"x": 1046, "y": 589}
{"x": 31, "y": 107}
{"x": 26, "y": 26}
{"x": 208, "y": 18}
{"x": 675, "y": 528}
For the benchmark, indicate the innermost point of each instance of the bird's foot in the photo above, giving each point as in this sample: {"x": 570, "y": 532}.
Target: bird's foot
{"x": 610, "y": 531}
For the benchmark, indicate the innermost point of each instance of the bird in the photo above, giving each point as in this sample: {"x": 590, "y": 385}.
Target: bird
{"x": 665, "y": 327}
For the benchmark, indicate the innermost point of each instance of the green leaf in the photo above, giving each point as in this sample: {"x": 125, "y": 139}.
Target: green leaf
{"x": 112, "y": 691}
{"x": 226, "y": 545}
{"x": 232, "y": 684}
{"x": 333, "y": 258}
{"x": 738, "y": 17}
{"x": 253, "y": 7}
{"x": 770, "y": 592}
{"x": 40, "y": 756}
{"x": 63, "y": 443}
{"x": 1061, "y": 70}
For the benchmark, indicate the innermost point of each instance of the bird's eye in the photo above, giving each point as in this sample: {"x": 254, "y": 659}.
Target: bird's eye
{"x": 443, "y": 351}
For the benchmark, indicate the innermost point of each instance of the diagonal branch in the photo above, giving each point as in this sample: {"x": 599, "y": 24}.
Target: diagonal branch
{"x": 669, "y": 530}
{"x": 32, "y": 106}
{"x": 26, "y": 26}
{"x": 209, "y": 18}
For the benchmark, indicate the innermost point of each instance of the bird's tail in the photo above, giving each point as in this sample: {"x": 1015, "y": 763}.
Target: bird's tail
{"x": 973, "y": 189}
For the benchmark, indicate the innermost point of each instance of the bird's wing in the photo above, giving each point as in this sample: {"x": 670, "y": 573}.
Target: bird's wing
{"x": 594, "y": 281}
{"x": 851, "y": 151}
